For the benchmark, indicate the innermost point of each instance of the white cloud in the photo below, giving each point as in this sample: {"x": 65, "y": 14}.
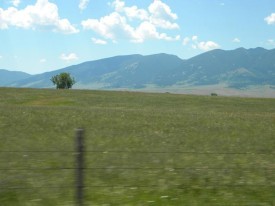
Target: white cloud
{"x": 116, "y": 24}
{"x": 132, "y": 12}
{"x": 15, "y": 2}
{"x": 194, "y": 38}
{"x": 186, "y": 40}
{"x": 147, "y": 30}
{"x": 271, "y": 42}
{"x": 83, "y": 4}
{"x": 69, "y": 57}
{"x": 206, "y": 46}
{"x": 162, "y": 23}
{"x": 161, "y": 10}
{"x": 270, "y": 19}
{"x": 236, "y": 40}
{"x": 202, "y": 45}
{"x": 99, "y": 41}
{"x": 177, "y": 38}
{"x": 112, "y": 26}
{"x": 161, "y": 15}
{"x": 42, "y": 15}
{"x": 194, "y": 46}
{"x": 42, "y": 60}
{"x": 119, "y": 5}
{"x": 158, "y": 13}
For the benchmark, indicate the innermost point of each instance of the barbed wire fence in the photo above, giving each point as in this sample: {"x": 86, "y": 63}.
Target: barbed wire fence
{"x": 79, "y": 169}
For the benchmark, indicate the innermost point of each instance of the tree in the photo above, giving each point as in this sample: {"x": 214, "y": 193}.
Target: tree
{"x": 63, "y": 81}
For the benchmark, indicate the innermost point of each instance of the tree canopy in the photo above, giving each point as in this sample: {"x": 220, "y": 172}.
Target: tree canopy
{"x": 63, "y": 81}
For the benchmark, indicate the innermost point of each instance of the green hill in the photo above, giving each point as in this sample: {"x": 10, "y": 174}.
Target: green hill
{"x": 239, "y": 69}
{"x": 8, "y": 77}
{"x": 141, "y": 148}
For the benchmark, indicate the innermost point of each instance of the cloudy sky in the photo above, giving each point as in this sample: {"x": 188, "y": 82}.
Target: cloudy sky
{"x": 43, "y": 35}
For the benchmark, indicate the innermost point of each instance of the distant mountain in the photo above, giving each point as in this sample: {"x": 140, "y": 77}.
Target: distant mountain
{"x": 239, "y": 68}
{"x": 8, "y": 77}
{"x": 130, "y": 71}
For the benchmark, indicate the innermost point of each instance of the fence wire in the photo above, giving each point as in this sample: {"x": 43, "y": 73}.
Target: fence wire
{"x": 119, "y": 167}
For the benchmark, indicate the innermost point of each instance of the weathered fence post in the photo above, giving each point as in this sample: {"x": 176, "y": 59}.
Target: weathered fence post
{"x": 79, "y": 143}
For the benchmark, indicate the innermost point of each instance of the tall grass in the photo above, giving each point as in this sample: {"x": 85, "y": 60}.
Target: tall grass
{"x": 143, "y": 148}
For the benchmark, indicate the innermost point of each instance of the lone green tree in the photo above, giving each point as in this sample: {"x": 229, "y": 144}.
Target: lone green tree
{"x": 63, "y": 81}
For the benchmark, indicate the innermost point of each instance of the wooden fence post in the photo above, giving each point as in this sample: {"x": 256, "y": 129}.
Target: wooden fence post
{"x": 79, "y": 144}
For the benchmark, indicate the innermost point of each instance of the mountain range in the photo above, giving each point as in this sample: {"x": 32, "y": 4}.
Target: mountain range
{"x": 8, "y": 77}
{"x": 240, "y": 68}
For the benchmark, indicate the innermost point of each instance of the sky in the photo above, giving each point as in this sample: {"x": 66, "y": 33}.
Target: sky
{"x": 38, "y": 36}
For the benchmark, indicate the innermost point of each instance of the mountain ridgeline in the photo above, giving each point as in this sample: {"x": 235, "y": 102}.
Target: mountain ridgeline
{"x": 239, "y": 68}
{"x": 8, "y": 77}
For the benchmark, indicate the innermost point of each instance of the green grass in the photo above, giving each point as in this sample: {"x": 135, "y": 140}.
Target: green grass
{"x": 227, "y": 143}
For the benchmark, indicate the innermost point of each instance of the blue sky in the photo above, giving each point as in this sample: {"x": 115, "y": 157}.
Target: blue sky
{"x": 42, "y": 35}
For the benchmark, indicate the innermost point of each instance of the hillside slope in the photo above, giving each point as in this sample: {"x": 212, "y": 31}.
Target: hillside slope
{"x": 7, "y": 77}
{"x": 239, "y": 68}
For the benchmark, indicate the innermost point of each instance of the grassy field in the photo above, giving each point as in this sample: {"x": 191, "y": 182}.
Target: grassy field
{"x": 142, "y": 148}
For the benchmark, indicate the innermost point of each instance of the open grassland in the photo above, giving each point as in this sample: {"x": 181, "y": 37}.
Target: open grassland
{"x": 142, "y": 148}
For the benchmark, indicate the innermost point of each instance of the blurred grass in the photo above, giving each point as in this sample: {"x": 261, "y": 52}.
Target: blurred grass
{"x": 227, "y": 143}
